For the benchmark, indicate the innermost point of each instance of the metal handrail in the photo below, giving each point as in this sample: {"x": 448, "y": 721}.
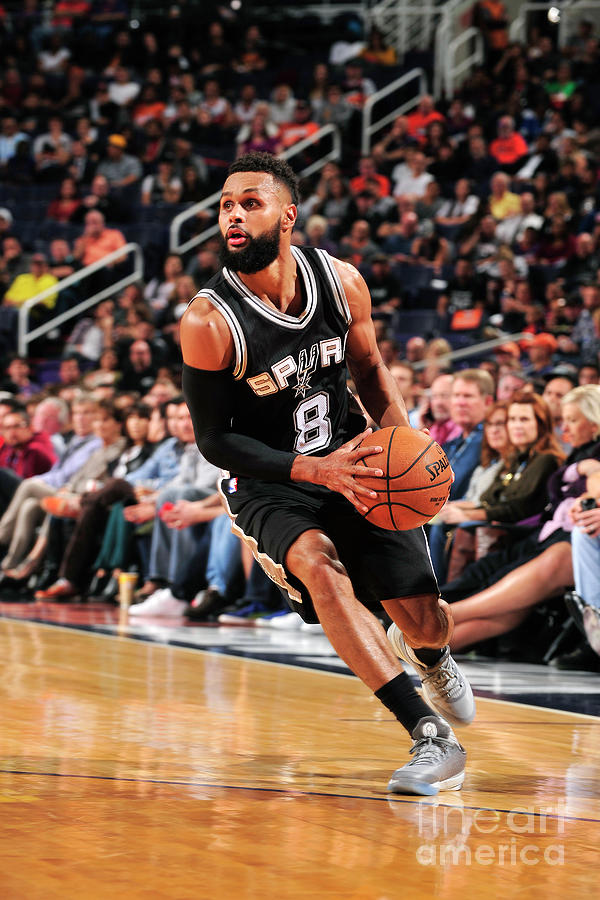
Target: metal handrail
{"x": 213, "y": 199}
{"x": 452, "y": 69}
{"x": 368, "y": 128}
{"x": 449, "y": 27}
{"x": 25, "y": 337}
{"x": 474, "y": 350}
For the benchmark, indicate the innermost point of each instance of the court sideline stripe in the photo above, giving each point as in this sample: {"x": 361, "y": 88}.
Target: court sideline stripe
{"x": 271, "y": 790}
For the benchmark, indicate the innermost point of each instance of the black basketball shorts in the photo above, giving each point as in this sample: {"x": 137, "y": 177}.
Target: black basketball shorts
{"x": 382, "y": 565}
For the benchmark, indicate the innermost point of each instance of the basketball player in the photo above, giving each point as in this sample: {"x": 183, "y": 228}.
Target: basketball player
{"x": 265, "y": 345}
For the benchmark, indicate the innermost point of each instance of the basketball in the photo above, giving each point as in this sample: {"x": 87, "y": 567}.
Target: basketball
{"x": 417, "y": 478}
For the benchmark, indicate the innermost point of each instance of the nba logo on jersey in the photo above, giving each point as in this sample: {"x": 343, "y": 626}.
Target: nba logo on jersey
{"x": 231, "y": 486}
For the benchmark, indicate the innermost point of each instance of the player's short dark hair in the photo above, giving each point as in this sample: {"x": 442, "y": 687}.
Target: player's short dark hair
{"x": 272, "y": 165}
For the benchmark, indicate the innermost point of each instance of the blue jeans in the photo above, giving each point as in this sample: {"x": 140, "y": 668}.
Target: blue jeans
{"x": 224, "y": 556}
{"x": 170, "y": 547}
{"x": 586, "y": 566}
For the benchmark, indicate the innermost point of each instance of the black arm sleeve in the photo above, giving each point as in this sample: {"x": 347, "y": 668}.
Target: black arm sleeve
{"x": 210, "y": 401}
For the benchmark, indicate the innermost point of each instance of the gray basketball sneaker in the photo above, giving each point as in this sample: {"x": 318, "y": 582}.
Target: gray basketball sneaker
{"x": 438, "y": 762}
{"x": 445, "y": 687}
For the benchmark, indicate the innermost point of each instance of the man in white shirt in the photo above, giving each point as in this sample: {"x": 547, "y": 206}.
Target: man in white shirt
{"x": 411, "y": 178}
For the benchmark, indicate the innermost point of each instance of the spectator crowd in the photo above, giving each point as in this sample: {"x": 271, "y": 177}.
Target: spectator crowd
{"x": 472, "y": 219}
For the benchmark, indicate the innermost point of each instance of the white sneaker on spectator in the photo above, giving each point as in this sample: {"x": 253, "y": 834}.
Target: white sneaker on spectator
{"x": 160, "y": 603}
{"x": 312, "y": 626}
{"x": 286, "y": 622}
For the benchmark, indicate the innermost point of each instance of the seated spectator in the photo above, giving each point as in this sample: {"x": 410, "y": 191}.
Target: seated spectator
{"x": 583, "y": 265}
{"x": 355, "y": 85}
{"x": 479, "y": 164}
{"x": 384, "y": 286}
{"x": 246, "y": 106}
{"x": 51, "y": 415}
{"x": 119, "y": 168}
{"x": 139, "y": 370}
{"x": 32, "y": 283}
{"x": 512, "y": 228}
{"x": 335, "y": 109}
{"x": 193, "y": 186}
{"x": 18, "y": 379}
{"x": 158, "y": 292}
{"x": 411, "y": 178}
{"x": 123, "y": 90}
{"x": 108, "y": 371}
{"x": 376, "y": 51}
{"x": 69, "y": 372}
{"x": 398, "y": 238}
{"x": 457, "y": 212}
{"x": 503, "y": 203}
{"x": 92, "y": 334}
{"x": 540, "y": 349}
{"x": 10, "y": 137}
{"x": 557, "y": 245}
{"x": 430, "y": 249}
{"x": 509, "y": 149}
{"x": 482, "y": 246}
{"x": 588, "y": 374}
{"x": 24, "y": 453}
{"x": 465, "y": 290}
{"x": 282, "y": 104}
{"x": 149, "y": 106}
{"x": 424, "y": 114}
{"x": 357, "y": 245}
{"x": 369, "y": 176}
{"x": 472, "y": 395}
{"x": 61, "y": 262}
{"x": 165, "y": 186}
{"x": 67, "y": 203}
{"x": 217, "y": 106}
{"x": 13, "y": 261}
{"x": 52, "y": 151}
{"x": 302, "y": 126}
{"x": 258, "y": 135}
{"x": 97, "y": 241}
{"x": 102, "y": 199}
{"x": 391, "y": 149}
{"x": 434, "y": 412}
{"x": 252, "y": 53}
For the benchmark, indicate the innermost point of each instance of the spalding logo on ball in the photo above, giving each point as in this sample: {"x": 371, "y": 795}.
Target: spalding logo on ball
{"x": 417, "y": 478}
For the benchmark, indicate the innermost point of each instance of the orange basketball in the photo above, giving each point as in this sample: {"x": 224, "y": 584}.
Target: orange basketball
{"x": 417, "y": 478}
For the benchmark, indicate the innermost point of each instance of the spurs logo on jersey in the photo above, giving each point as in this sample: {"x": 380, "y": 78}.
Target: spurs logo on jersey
{"x": 321, "y": 354}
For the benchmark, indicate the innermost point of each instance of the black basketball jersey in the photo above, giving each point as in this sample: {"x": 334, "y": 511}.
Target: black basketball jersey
{"x": 290, "y": 372}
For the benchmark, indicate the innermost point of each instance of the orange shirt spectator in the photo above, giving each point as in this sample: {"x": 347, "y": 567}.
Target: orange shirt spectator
{"x": 97, "y": 241}
{"x": 299, "y": 128}
{"x": 509, "y": 147}
{"x": 424, "y": 114}
{"x": 368, "y": 176}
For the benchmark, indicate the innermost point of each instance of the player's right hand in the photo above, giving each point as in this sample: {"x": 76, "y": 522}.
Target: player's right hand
{"x": 341, "y": 470}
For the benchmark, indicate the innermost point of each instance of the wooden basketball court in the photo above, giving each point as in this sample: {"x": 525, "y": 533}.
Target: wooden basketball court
{"x": 133, "y": 769}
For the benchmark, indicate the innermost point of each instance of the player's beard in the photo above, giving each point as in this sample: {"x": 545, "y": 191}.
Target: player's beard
{"x": 259, "y": 253}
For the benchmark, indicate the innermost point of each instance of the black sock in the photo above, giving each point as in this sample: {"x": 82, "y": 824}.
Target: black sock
{"x": 428, "y": 656}
{"x": 403, "y": 701}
